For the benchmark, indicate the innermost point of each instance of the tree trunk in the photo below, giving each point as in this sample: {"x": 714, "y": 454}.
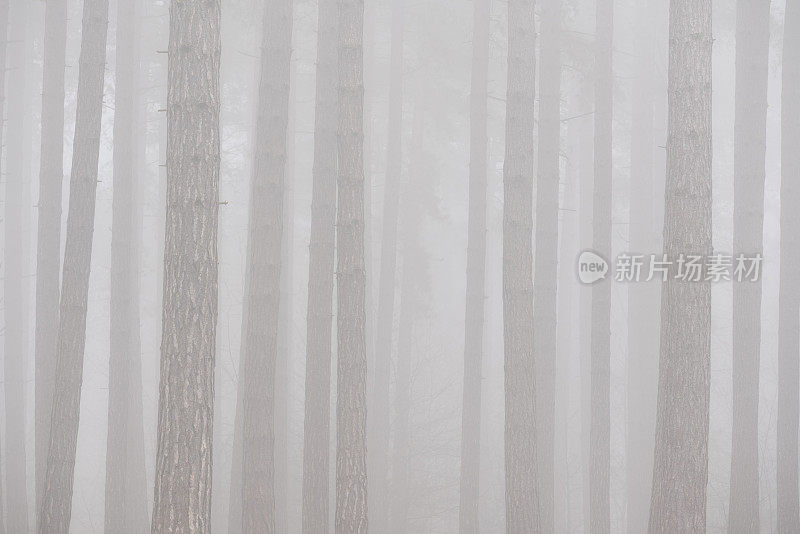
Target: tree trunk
{"x": 680, "y": 468}
{"x": 48, "y": 253}
{"x": 546, "y": 262}
{"x": 186, "y": 392}
{"x": 316, "y": 430}
{"x": 522, "y": 502}
{"x": 379, "y": 415}
{"x": 55, "y": 508}
{"x": 750, "y": 140}
{"x": 643, "y": 297}
{"x": 265, "y": 229}
{"x": 4, "y": 28}
{"x": 789, "y": 295}
{"x": 351, "y": 401}
{"x": 469, "y": 490}
{"x": 125, "y": 492}
{"x": 15, "y": 341}
{"x": 599, "y": 428}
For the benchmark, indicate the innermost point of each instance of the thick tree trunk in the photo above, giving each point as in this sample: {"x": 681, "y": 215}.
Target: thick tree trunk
{"x": 351, "y": 400}
{"x": 680, "y": 468}
{"x": 643, "y": 297}
{"x": 316, "y": 434}
{"x": 48, "y": 253}
{"x": 789, "y": 296}
{"x": 186, "y": 392}
{"x": 265, "y": 229}
{"x": 379, "y": 414}
{"x": 4, "y": 27}
{"x": 125, "y": 491}
{"x": 55, "y": 508}
{"x": 469, "y": 490}
{"x": 600, "y": 426}
{"x": 546, "y": 263}
{"x": 750, "y": 140}
{"x": 15, "y": 343}
{"x": 522, "y": 502}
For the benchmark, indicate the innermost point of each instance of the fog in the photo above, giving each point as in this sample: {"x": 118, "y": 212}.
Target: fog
{"x": 400, "y": 266}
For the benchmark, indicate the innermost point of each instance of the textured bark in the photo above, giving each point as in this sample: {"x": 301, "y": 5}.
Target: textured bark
{"x": 643, "y": 297}
{"x": 351, "y": 400}
{"x": 316, "y": 433}
{"x": 55, "y": 508}
{"x": 48, "y": 252}
{"x": 380, "y": 408}
{"x": 546, "y": 264}
{"x": 788, "y": 519}
{"x": 125, "y": 489}
{"x": 3, "y": 45}
{"x": 186, "y": 391}
{"x": 750, "y": 139}
{"x": 265, "y": 229}
{"x": 680, "y": 469}
{"x": 522, "y": 502}
{"x": 15, "y": 343}
{"x": 469, "y": 489}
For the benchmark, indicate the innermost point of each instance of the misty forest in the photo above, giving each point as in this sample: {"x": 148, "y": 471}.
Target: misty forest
{"x": 399, "y": 266}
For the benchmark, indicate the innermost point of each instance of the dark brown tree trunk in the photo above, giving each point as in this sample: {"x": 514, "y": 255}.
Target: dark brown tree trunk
{"x": 186, "y": 391}
{"x": 55, "y": 508}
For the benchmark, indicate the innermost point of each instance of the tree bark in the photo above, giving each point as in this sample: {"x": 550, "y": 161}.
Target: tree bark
{"x": 788, "y": 519}
{"x": 546, "y": 260}
{"x": 469, "y": 489}
{"x": 680, "y": 467}
{"x": 316, "y": 434}
{"x": 186, "y": 391}
{"x": 351, "y": 401}
{"x": 4, "y": 28}
{"x": 522, "y": 502}
{"x": 55, "y": 508}
{"x": 48, "y": 252}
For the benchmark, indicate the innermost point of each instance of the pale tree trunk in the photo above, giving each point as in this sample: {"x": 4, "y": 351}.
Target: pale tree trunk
{"x": 265, "y": 229}
{"x": 15, "y": 341}
{"x": 3, "y": 47}
{"x": 351, "y": 400}
{"x": 600, "y": 425}
{"x": 48, "y": 253}
{"x": 643, "y": 297}
{"x": 182, "y": 499}
{"x": 680, "y": 467}
{"x": 379, "y": 409}
{"x": 522, "y": 502}
{"x": 789, "y": 295}
{"x": 125, "y": 491}
{"x": 469, "y": 489}
{"x": 546, "y": 262}
{"x": 56, "y": 505}
{"x": 316, "y": 426}
{"x": 750, "y": 139}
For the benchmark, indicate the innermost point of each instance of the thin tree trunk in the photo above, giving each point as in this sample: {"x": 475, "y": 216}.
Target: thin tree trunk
{"x": 643, "y": 297}
{"x": 522, "y": 502}
{"x": 56, "y": 505}
{"x": 316, "y": 430}
{"x": 789, "y": 295}
{"x": 3, "y": 48}
{"x": 351, "y": 400}
{"x": 48, "y": 253}
{"x": 469, "y": 489}
{"x": 546, "y": 263}
{"x": 125, "y": 493}
{"x": 600, "y": 426}
{"x": 750, "y": 140}
{"x": 15, "y": 343}
{"x": 680, "y": 467}
{"x": 265, "y": 229}
{"x": 186, "y": 392}
{"x": 379, "y": 414}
